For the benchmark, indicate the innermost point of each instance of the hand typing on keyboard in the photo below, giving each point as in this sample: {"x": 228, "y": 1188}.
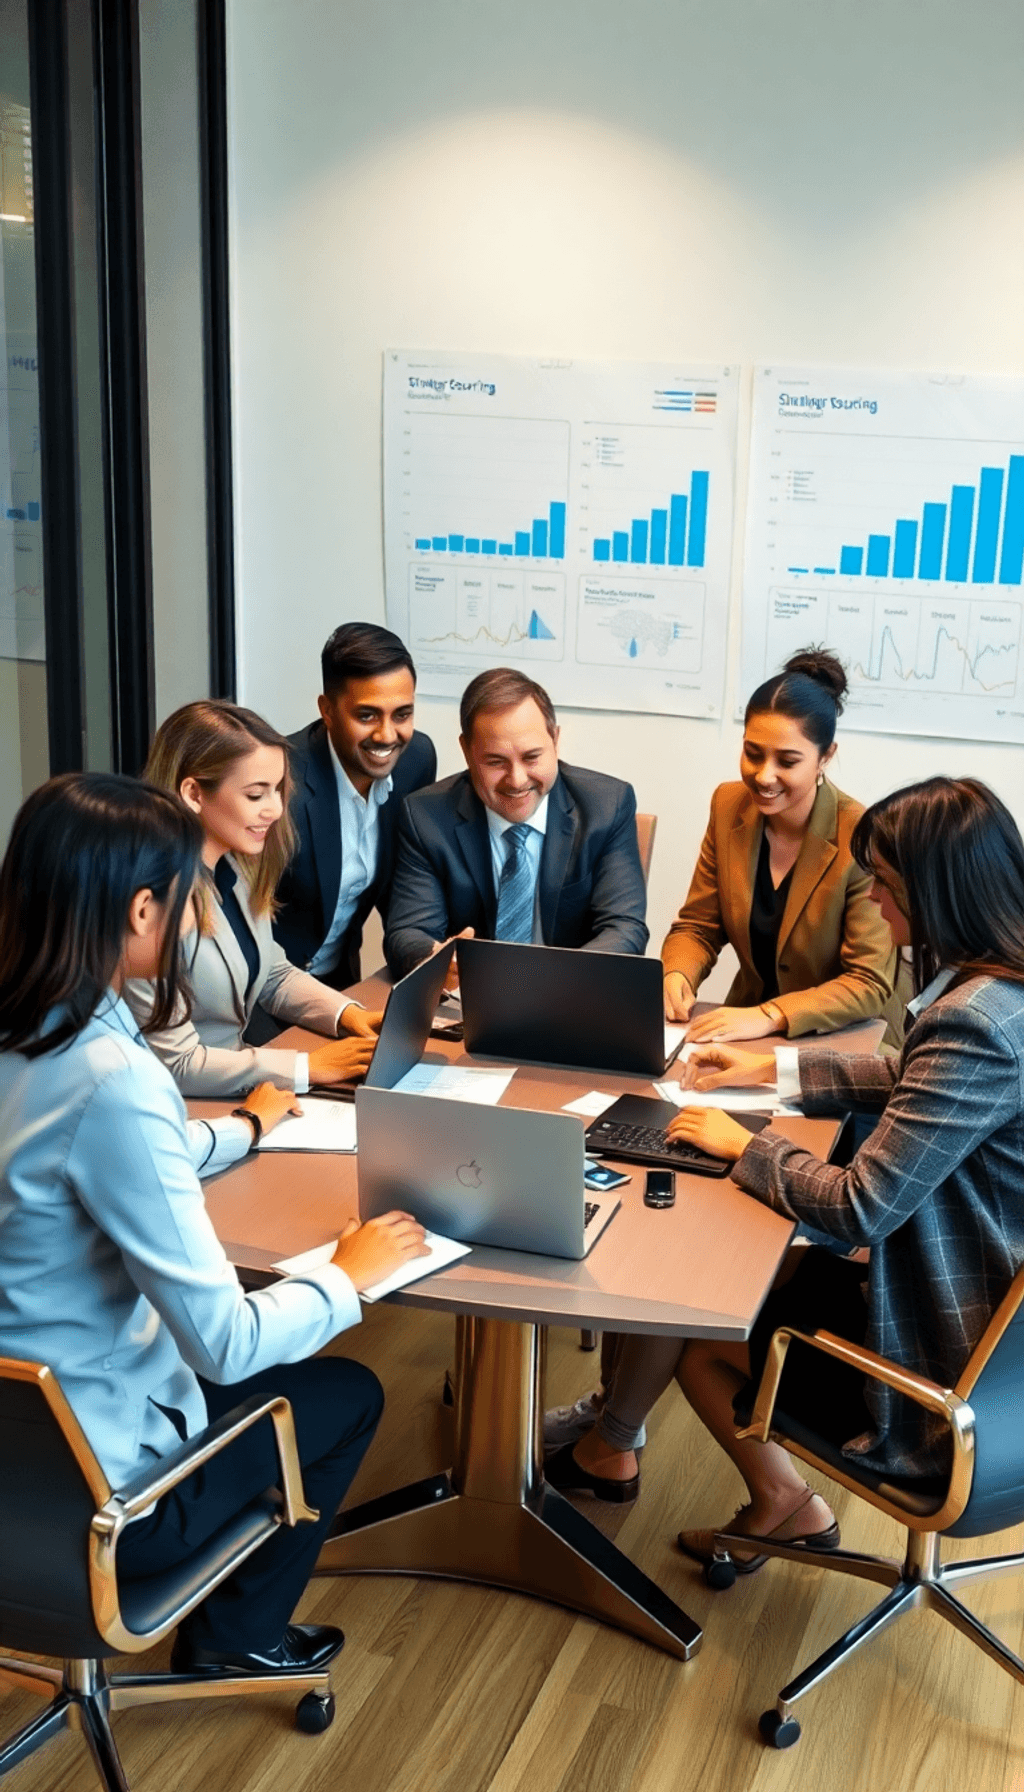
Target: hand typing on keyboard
{"x": 708, "y": 1129}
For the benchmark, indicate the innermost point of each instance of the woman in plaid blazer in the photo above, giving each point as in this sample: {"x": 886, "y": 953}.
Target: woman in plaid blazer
{"x": 936, "y": 1192}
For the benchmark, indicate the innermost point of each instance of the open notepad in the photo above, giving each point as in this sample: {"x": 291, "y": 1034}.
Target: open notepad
{"x": 442, "y": 1252}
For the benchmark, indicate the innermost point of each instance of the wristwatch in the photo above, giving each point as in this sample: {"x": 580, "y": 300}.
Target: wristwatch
{"x": 775, "y": 1015}
{"x": 254, "y": 1121}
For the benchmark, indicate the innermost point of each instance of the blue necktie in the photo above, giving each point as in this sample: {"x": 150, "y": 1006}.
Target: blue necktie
{"x": 515, "y": 889}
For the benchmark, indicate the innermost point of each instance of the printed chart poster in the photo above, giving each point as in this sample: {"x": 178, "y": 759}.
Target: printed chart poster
{"x": 570, "y": 518}
{"x": 886, "y": 520}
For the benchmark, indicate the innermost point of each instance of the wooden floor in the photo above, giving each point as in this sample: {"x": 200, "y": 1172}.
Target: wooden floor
{"x": 444, "y": 1688}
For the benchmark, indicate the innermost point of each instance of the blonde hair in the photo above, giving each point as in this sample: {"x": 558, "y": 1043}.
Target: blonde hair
{"x": 203, "y": 741}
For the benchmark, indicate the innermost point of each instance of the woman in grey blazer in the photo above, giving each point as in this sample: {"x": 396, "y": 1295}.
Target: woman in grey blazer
{"x": 936, "y": 1192}
{"x": 232, "y": 770}
{"x": 110, "y": 1271}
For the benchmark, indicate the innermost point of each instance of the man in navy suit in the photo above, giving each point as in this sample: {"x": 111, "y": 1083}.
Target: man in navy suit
{"x": 518, "y": 846}
{"x": 351, "y": 771}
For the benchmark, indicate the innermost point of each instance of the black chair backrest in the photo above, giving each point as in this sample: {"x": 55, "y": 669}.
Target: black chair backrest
{"x": 997, "y": 1491}
{"x": 46, "y": 1508}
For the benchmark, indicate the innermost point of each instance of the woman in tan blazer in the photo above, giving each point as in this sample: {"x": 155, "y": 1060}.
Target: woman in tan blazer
{"x": 231, "y": 769}
{"x": 776, "y": 880}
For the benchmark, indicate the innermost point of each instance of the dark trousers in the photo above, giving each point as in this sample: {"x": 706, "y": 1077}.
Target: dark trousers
{"x": 336, "y": 1405}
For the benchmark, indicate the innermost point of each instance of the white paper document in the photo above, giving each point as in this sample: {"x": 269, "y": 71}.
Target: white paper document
{"x": 456, "y": 1082}
{"x": 442, "y": 1252}
{"x": 322, "y": 1126}
{"x": 673, "y": 1039}
{"x": 764, "y": 1099}
{"x": 591, "y": 1105}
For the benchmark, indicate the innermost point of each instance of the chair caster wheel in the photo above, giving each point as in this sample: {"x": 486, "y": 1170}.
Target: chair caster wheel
{"x": 315, "y": 1713}
{"x": 778, "y": 1731}
{"x": 720, "y": 1574}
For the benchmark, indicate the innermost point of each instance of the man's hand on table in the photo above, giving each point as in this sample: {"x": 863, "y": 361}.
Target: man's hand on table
{"x": 451, "y": 981}
{"x": 343, "y": 1061}
{"x": 370, "y": 1252}
{"x": 709, "y": 1130}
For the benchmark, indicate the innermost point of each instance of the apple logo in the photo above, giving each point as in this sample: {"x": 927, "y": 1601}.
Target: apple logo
{"x": 469, "y": 1174}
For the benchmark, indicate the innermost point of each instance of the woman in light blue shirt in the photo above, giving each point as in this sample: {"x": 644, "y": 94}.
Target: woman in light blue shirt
{"x": 110, "y": 1270}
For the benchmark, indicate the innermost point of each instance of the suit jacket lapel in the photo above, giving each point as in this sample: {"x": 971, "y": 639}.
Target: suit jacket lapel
{"x": 737, "y": 887}
{"x": 559, "y": 838}
{"x": 324, "y": 821}
{"x": 474, "y": 843}
{"x": 816, "y": 855}
{"x": 224, "y": 941}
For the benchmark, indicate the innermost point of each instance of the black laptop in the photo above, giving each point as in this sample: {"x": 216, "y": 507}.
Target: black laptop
{"x": 405, "y": 1028}
{"x": 558, "y": 1005}
{"x": 634, "y": 1129}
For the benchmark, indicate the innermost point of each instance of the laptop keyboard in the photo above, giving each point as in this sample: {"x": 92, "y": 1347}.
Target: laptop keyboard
{"x": 622, "y": 1139}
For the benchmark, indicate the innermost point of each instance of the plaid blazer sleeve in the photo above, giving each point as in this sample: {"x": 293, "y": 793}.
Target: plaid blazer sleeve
{"x": 959, "y": 1081}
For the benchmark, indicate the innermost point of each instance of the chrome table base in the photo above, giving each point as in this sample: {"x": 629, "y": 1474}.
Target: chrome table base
{"x": 492, "y": 1519}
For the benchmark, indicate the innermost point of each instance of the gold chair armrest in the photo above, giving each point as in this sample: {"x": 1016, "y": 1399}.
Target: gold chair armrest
{"x": 943, "y": 1402}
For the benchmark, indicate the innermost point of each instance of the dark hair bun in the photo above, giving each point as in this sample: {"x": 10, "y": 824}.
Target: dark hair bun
{"x": 825, "y": 669}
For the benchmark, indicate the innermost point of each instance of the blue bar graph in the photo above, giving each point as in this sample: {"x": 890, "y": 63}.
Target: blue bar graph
{"x": 1012, "y": 557}
{"x": 986, "y": 535}
{"x": 659, "y": 536}
{"x": 965, "y": 540}
{"x": 933, "y": 532}
{"x": 695, "y": 541}
{"x": 662, "y": 537}
{"x": 958, "y": 546}
{"x": 676, "y": 530}
{"x": 543, "y": 540}
{"x": 878, "y": 556}
{"x": 904, "y": 554}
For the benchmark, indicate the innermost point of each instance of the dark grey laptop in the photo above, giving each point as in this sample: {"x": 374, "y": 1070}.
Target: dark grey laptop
{"x": 558, "y": 1005}
{"x": 510, "y": 1177}
{"x": 405, "y": 1029}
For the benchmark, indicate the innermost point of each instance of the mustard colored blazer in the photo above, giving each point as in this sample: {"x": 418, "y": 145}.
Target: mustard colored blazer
{"x": 836, "y": 962}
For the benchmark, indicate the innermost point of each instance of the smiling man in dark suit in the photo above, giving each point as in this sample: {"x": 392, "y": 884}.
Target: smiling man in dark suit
{"x": 351, "y": 771}
{"x": 518, "y": 846}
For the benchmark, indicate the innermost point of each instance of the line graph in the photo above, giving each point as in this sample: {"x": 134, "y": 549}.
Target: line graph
{"x": 966, "y": 648}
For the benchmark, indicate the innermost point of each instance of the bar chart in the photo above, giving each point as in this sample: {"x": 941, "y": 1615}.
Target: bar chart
{"x": 571, "y": 518}
{"x": 673, "y": 535}
{"x": 886, "y": 518}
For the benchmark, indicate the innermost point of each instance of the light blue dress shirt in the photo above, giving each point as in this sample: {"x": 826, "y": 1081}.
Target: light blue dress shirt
{"x": 534, "y": 845}
{"x": 110, "y": 1269}
{"x": 360, "y": 844}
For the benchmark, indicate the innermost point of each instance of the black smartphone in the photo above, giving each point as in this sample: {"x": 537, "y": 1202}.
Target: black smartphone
{"x": 660, "y": 1188}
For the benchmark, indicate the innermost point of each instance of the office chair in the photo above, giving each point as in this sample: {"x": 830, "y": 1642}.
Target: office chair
{"x": 59, "y": 1592}
{"x": 983, "y": 1492}
{"x": 646, "y": 828}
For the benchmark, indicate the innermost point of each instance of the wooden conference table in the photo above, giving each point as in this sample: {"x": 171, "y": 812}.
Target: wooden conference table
{"x": 700, "y": 1269}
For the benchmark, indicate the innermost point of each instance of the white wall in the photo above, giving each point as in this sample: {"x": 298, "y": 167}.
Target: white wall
{"x": 726, "y": 180}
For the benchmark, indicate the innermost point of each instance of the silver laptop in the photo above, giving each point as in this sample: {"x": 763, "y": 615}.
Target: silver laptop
{"x": 510, "y": 1177}
{"x": 405, "y": 1028}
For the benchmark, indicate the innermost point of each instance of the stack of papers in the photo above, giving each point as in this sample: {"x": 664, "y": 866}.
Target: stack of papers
{"x": 322, "y": 1126}
{"x": 456, "y": 1082}
{"x": 442, "y": 1252}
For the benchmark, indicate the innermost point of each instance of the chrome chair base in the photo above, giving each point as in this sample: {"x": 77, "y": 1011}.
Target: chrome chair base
{"x": 83, "y": 1696}
{"x": 921, "y": 1580}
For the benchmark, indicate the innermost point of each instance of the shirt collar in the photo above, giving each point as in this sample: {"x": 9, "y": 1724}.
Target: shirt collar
{"x": 379, "y": 791}
{"x": 538, "y": 821}
{"x": 932, "y": 991}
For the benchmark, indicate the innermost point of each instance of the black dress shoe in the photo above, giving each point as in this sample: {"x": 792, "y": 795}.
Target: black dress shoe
{"x": 563, "y": 1471}
{"x": 303, "y": 1649}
